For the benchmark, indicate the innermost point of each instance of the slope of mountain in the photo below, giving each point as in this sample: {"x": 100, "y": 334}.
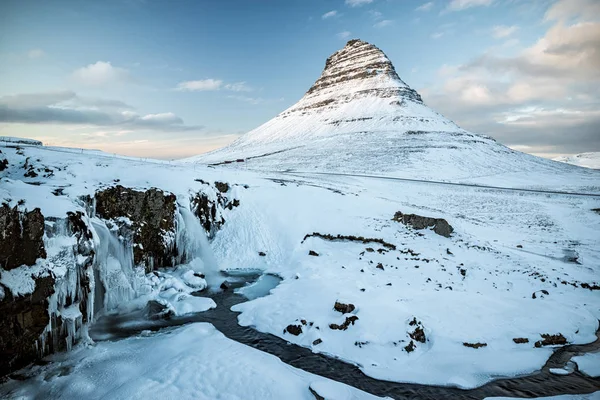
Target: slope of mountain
{"x": 360, "y": 117}
{"x": 586, "y": 160}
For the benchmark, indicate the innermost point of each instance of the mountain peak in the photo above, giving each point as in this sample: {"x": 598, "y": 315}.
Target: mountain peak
{"x": 358, "y": 70}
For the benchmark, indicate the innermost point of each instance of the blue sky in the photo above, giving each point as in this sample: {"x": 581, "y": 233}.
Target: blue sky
{"x": 170, "y": 79}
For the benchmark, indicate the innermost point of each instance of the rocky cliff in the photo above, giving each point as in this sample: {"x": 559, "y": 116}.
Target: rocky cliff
{"x": 55, "y": 273}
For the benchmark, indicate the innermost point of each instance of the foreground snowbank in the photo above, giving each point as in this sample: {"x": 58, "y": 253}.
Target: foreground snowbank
{"x": 192, "y": 362}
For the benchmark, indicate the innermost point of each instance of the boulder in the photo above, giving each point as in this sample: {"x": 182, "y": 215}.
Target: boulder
{"x": 439, "y": 225}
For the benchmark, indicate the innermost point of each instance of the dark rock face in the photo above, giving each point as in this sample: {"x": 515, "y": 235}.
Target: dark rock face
{"x": 3, "y": 164}
{"x": 439, "y": 225}
{"x": 206, "y": 210}
{"x": 21, "y": 237}
{"x": 28, "y": 328}
{"x": 153, "y": 215}
{"x": 343, "y": 308}
{"x": 22, "y": 322}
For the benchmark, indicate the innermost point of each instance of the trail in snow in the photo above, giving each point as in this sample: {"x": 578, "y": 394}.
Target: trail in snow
{"x": 392, "y": 178}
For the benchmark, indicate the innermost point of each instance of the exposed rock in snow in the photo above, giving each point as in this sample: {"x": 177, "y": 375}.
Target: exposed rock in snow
{"x": 21, "y": 234}
{"x": 439, "y": 225}
{"x": 151, "y": 216}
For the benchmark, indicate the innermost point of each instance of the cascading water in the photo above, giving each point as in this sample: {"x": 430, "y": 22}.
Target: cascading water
{"x": 114, "y": 266}
{"x": 194, "y": 248}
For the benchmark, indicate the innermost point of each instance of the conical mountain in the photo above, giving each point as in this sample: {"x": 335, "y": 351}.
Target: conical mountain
{"x": 360, "y": 117}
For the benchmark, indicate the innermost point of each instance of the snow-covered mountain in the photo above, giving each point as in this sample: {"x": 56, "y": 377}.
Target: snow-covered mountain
{"x": 360, "y": 117}
{"x": 587, "y": 160}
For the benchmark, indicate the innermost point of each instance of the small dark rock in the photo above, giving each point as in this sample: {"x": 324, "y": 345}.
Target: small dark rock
{"x": 520, "y": 340}
{"x": 410, "y": 347}
{"x": 313, "y": 253}
{"x": 317, "y": 341}
{"x": 222, "y": 187}
{"x": 370, "y": 249}
{"x": 294, "y": 329}
{"x": 379, "y": 266}
{"x": 519, "y": 246}
{"x": 349, "y": 321}
{"x": 551, "y": 340}
{"x": 262, "y": 253}
{"x": 474, "y": 345}
{"x": 224, "y": 285}
{"x": 343, "y": 308}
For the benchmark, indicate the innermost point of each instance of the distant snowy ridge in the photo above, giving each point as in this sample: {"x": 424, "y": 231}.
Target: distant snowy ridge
{"x": 18, "y": 140}
{"x": 586, "y": 160}
{"x": 360, "y": 117}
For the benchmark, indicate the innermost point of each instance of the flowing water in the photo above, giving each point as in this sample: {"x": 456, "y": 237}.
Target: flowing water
{"x": 542, "y": 383}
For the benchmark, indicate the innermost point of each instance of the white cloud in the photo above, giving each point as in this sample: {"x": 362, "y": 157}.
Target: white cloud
{"x": 375, "y": 14}
{"x": 458, "y": 5}
{"x": 212, "y": 85}
{"x": 425, "y": 7}
{"x": 565, "y": 9}
{"x": 344, "y": 34}
{"x": 238, "y": 87}
{"x": 358, "y": 3}
{"x": 546, "y": 96}
{"x": 67, "y": 108}
{"x": 36, "y": 53}
{"x": 383, "y": 23}
{"x": 437, "y": 35}
{"x": 101, "y": 73}
{"x": 199, "y": 85}
{"x": 329, "y": 14}
{"x": 503, "y": 31}
{"x": 167, "y": 117}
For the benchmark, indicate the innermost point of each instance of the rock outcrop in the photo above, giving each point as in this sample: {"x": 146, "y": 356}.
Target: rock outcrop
{"x": 439, "y": 225}
{"x": 23, "y": 320}
{"x": 21, "y": 237}
{"x": 66, "y": 289}
{"x": 152, "y": 217}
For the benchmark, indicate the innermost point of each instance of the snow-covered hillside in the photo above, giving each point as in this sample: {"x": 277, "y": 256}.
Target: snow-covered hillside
{"x": 459, "y": 310}
{"x": 587, "y": 160}
{"x": 360, "y": 117}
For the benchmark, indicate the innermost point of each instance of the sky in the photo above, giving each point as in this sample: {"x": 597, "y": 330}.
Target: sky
{"x": 171, "y": 79}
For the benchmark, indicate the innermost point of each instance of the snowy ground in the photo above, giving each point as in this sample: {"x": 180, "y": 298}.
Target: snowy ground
{"x": 587, "y": 160}
{"x": 476, "y": 287}
{"x": 589, "y": 364}
{"x": 193, "y": 362}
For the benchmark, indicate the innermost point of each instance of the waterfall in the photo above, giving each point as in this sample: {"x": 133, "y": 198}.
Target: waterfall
{"x": 122, "y": 281}
{"x": 194, "y": 248}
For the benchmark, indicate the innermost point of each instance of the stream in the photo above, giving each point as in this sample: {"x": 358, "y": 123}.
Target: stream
{"x": 250, "y": 285}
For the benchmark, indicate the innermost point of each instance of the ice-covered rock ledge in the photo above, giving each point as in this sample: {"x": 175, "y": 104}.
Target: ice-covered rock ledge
{"x": 56, "y": 274}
